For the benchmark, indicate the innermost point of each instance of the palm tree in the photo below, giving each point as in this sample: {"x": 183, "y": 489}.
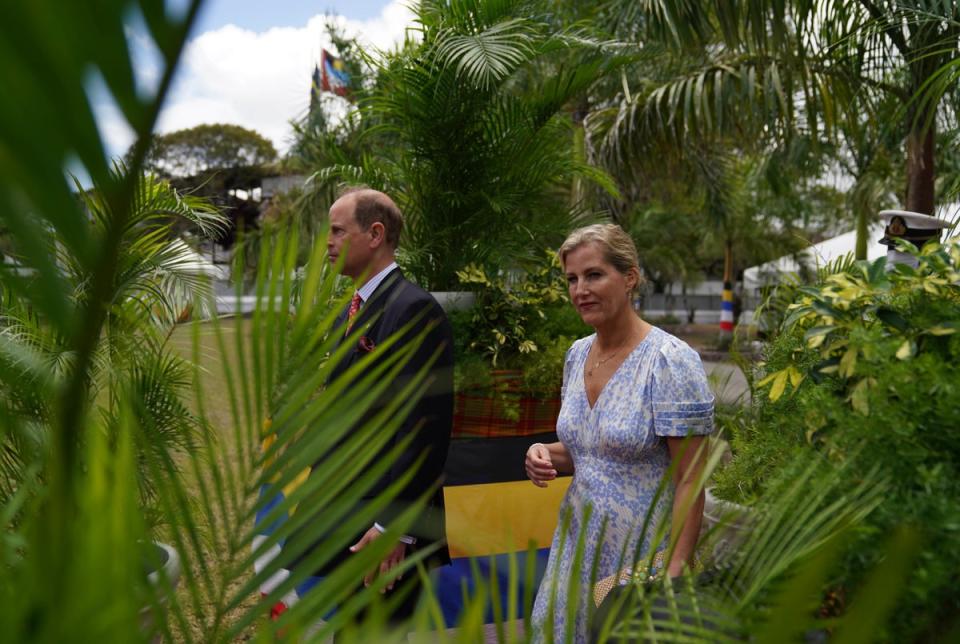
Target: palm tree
{"x": 87, "y": 391}
{"x": 478, "y": 158}
{"x": 321, "y": 140}
{"x": 158, "y": 279}
{"x": 710, "y": 174}
{"x": 646, "y": 147}
{"x": 868, "y": 152}
{"x": 812, "y": 65}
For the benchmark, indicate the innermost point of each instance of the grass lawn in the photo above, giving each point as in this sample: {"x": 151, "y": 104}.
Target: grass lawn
{"x": 216, "y": 405}
{"x": 213, "y": 364}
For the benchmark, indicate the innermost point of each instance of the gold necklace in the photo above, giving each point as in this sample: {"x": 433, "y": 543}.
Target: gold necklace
{"x": 604, "y": 361}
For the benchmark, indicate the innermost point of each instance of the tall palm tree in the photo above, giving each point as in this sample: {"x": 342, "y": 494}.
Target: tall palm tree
{"x": 634, "y": 135}
{"x": 478, "y": 158}
{"x": 811, "y": 64}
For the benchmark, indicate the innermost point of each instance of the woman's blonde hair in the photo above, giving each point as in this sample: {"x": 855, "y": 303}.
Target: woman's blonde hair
{"x": 618, "y": 247}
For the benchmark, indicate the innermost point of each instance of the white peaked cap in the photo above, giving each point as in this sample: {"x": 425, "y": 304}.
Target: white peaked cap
{"x": 915, "y": 220}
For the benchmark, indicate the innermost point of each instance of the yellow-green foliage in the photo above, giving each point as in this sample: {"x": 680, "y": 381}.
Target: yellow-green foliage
{"x": 507, "y": 311}
{"x": 866, "y": 369}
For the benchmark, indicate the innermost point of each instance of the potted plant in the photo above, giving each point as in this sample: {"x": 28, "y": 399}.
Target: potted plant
{"x": 161, "y": 563}
{"x": 510, "y": 348}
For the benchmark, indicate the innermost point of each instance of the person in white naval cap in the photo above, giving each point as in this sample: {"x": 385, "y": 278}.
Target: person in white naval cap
{"x": 913, "y": 227}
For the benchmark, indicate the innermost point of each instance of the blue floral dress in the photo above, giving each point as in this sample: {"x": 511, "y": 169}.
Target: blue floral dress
{"x": 620, "y": 454}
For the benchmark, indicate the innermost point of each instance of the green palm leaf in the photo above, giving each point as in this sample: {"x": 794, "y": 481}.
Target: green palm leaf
{"x": 791, "y": 540}
{"x": 487, "y": 58}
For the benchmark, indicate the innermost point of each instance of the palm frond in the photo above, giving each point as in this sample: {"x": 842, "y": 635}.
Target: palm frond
{"x": 509, "y": 170}
{"x": 789, "y": 541}
{"x": 486, "y": 59}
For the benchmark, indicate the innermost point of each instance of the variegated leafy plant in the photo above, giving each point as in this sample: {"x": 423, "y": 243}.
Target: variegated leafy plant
{"x": 862, "y": 315}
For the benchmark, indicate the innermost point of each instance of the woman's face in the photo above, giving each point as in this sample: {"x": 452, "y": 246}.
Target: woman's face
{"x": 598, "y": 291}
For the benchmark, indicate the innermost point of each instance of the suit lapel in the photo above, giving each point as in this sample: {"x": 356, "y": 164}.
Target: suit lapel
{"x": 372, "y": 309}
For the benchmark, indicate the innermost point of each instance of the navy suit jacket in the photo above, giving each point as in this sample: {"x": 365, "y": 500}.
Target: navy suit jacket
{"x": 394, "y": 304}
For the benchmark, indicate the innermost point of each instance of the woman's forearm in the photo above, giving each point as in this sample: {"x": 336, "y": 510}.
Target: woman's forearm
{"x": 686, "y": 518}
{"x": 688, "y": 455}
{"x": 562, "y": 461}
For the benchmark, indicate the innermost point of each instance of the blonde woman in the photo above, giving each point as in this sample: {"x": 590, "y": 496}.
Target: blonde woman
{"x": 632, "y": 394}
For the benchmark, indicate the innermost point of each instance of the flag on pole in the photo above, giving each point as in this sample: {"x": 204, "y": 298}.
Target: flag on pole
{"x": 726, "y": 308}
{"x": 334, "y": 77}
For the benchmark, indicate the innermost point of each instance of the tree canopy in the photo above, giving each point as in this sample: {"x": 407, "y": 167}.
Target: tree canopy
{"x": 208, "y": 147}
{"x": 214, "y": 161}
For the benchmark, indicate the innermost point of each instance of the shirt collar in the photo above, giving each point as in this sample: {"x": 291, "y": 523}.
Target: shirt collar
{"x": 367, "y": 289}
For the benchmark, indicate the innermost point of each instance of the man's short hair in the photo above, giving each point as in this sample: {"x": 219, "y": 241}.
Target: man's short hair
{"x": 374, "y": 206}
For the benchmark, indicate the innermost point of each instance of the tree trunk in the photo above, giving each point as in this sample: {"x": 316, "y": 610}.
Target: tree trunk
{"x": 579, "y": 115}
{"x": 728, "y": 262}
{"x": 863, "y": 215}
{"x": 580, "y": 155}
{"x": 920, "y": 166}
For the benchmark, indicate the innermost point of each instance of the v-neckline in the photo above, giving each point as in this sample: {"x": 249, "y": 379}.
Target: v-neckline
{"x": 603, "y": 389}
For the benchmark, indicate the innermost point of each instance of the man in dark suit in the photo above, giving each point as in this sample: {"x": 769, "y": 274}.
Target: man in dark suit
{"x": 365, "y": 229}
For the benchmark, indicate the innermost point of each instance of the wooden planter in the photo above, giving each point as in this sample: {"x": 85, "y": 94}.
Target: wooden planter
{"x": 504, "y": 410}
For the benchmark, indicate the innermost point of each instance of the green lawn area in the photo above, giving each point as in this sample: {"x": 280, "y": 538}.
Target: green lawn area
{"x": 214, "y": 365}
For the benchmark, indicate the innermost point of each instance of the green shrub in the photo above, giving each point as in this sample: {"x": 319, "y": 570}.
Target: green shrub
{"x": 543, "y": 370}
{"x": 472, "y": 372}
{"x": 521, "y": 321}
{"x": 866, "y": 369}
{"x": 508, "y": 308}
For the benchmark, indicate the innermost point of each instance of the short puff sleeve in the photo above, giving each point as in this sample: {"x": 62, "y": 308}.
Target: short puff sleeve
{"x": 682, "y": 400}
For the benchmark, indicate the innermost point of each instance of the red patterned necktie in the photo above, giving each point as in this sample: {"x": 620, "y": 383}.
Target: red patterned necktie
{"x": 352, "y": 311}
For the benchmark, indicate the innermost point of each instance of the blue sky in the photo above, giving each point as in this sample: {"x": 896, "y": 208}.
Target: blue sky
{"x": 260, "y": 16}
{"x": 249, "y": 63}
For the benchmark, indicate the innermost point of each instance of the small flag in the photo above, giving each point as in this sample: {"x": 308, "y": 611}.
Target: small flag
{"x": 334, "y": 76}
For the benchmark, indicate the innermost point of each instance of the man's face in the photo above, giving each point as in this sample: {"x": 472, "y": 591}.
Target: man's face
{"x": 346, "y": 236}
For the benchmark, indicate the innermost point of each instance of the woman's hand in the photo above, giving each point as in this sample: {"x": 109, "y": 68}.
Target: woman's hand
{"x": 539, "y": 465}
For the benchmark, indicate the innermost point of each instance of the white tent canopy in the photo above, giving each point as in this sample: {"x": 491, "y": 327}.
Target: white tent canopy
{"x": 811, "y": 257}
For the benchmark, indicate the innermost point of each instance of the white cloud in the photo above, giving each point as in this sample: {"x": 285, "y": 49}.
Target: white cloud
{"x": 258, "y": 80}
